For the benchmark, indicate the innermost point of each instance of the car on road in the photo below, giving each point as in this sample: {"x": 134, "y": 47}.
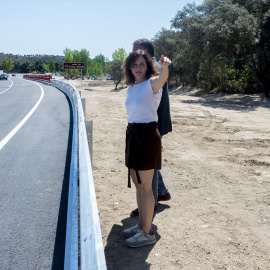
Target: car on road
{"x": 93, "y": 77}
{"x": 13, "y": 74}
{"x": 109, "y": 77}
{"x": 3, "y": 76}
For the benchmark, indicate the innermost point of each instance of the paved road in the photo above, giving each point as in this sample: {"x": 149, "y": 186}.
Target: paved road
{"x": 34, "y": 172}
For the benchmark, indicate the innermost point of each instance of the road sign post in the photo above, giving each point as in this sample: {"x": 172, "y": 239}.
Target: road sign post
{"x": 79, "y": 65}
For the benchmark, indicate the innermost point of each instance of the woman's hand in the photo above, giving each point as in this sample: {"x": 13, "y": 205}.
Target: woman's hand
{"x": 157, "y": 82}
{"x": 164, "y": 61}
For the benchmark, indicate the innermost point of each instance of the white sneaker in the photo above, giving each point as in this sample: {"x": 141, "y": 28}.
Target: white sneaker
{"x": 141, "y": 238}
{"x": 132, "y": 231}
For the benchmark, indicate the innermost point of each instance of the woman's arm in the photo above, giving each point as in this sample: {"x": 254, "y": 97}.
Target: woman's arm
{"x": 157, "y": 82}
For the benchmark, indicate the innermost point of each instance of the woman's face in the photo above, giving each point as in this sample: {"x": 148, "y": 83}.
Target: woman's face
{"x": 138, "y": 69}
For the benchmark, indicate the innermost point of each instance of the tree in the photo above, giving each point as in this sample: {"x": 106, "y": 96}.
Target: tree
{"x": 36, "y": 61}
{"x": 26, "y": 67}
{"x": 119, "y": 54}
{"x": 97, "y": 65}
{"x": 100, "y": 59}
{"x": 85, "y": 58}
{"x": 7, "y": 65}
{"x": 39, "y": 66}
{"x": 260, "y": 57}
{"x": 68, "y": 55}
{"x": 223, "y": 42}
{"x": 229, "y": 35}
{"x": 167, "y": 42}
{"x": 59, "y": 67}
{"x": 95, "y": 69}
{"x": 114, "y": 68}
{"x": 51, "y": 66}
{"x": 68, "y": 59}
{"x": 189, "y": 24}
{"x": 45, "y": 68}
{"x": 76, "y": 55}
{"x": 239, "y": 31}
{"x": 17, "y": 66}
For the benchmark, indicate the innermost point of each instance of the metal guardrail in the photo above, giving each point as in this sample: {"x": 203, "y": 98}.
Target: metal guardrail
{"x": 91, "y": 246}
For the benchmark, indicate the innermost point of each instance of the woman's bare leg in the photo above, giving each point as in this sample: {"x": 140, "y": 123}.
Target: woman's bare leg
{"x": 145, "y": 198}
{"x": 139, "y": 203}
{"x": 138, "y": 195}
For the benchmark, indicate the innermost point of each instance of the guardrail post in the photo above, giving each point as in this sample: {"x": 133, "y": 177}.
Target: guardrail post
{"x": 89, "y": 132}
{"x": 83, "y": 105}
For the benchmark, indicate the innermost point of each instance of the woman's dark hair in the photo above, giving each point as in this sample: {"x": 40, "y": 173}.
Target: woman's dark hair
{"x": 152, "y": 69}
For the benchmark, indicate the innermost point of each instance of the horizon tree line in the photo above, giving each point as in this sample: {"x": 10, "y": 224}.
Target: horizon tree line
{"x": 221, "y": 45}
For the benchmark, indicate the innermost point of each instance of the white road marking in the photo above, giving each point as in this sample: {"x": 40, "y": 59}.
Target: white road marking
{"x": 8, "y": 88}
{"x": 15, "y": 130}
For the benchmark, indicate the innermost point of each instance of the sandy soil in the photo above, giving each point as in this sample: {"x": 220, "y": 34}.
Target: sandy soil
{"x": 216, "y": 165}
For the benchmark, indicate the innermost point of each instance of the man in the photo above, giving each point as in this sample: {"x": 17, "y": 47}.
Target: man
{"x": 159, "y": 188}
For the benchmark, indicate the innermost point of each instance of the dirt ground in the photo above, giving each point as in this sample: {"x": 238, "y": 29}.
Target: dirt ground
{"x": 216, "y": 165}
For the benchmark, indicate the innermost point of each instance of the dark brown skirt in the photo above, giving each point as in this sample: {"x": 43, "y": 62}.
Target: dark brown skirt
{"x": 143, "y": 147}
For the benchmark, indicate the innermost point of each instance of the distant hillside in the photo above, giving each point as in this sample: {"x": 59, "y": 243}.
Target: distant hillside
{"x": 32, "y": 63}
{"x": 33, "y": 58}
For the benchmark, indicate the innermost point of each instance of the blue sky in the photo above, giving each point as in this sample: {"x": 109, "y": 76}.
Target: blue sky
{"x": 100, "y": 26}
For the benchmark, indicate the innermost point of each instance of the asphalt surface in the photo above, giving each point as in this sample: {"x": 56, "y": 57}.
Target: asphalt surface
{"x": 34, "y": 173}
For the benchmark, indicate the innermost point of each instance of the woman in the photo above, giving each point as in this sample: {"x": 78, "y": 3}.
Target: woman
{"x": 143, "y": 142}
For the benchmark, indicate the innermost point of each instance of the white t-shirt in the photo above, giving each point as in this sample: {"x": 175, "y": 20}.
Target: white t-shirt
{"x": 142, "y": 103}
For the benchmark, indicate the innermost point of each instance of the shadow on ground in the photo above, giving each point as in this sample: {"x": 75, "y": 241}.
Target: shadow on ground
{"x": 236, "y": 102}
{"x": 119, "y": 256}
{"x": 60, "y": 238}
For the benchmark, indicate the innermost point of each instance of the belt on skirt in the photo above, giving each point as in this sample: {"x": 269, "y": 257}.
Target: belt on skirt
{"x": 132, "y": 131}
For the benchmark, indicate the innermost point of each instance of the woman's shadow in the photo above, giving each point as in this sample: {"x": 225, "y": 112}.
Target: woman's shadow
{"x": 119, "y": 256}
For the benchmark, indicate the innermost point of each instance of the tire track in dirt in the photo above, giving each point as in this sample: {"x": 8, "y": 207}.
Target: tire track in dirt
{"x": 216, "y": 189}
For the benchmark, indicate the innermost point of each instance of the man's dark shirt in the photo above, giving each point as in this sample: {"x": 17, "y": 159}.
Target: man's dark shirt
{"x": 164, "y": 116}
